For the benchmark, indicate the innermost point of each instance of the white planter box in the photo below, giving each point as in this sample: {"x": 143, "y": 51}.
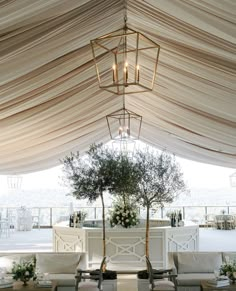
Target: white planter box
{"x": 143, "y": 284}
{"x": 109, "y": 285}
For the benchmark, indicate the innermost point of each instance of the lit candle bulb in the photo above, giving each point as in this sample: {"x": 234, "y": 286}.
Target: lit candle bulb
{"x": 114, "y": 73}
{"x": 120, "y": 130}
{"x": 126, "y": 72}
{"x": 137, "y": 68}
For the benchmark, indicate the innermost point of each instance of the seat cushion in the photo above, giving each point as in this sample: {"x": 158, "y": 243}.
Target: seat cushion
{"x": 163, "y": 285}
{"x": 193, "y": 279}
{"x": 57, "y": 263}
{"x": 198, "y": 262}
{"x": 62, "y": 278}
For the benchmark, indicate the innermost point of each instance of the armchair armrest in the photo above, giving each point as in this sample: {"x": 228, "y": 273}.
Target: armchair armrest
{"x": 171, "y": 264}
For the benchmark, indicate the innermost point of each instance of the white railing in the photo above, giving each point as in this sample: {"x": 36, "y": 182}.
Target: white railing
{"x": 48, "y": 216}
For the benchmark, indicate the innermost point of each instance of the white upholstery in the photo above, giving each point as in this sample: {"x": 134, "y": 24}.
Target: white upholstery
{"x": 163, "y": 285}
{"x": 57, "y": 263}
{"x": 60, "y": 266}
{"x": 193, "y": 279}
{"x": 198, "y": 262}
{"x": 193, "y": 267}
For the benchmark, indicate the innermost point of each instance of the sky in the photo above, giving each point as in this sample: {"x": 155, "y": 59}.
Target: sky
{"x": 196, "y": 175}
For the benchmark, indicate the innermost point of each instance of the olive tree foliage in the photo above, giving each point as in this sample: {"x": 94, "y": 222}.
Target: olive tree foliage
{"x": 125, "y": 179}
{"x": 160, "y": 182}
{"x": 88, "y": 176}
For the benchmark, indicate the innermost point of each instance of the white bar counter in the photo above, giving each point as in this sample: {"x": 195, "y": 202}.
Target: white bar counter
{"x": 125, "y": 248}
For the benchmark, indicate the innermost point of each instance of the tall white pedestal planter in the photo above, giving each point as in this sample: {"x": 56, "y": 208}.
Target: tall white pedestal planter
{"x": 109, "y": 285}
{"x": 143, "y": 284}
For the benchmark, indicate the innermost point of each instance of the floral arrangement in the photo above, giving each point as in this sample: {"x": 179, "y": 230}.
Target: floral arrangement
{"x": 77, "y": 218}
{"x": 125, "y": 215}
{"x": 24, "y": 271}
{"x": 229, "y": 269}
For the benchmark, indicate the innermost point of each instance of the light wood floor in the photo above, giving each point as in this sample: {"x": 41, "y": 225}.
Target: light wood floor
{"x": 127, "y": 283}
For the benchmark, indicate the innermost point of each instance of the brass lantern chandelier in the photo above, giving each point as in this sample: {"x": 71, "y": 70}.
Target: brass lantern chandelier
{"x": 125, "y": 59}
{"x": 124, "y": 128}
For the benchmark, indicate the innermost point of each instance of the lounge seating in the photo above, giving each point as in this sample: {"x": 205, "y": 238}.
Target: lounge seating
{"x": 210, "y": 220}
{"x": 55, "y": 265}
{"x": 90, "y": 281}
{"x": 160, "y": 279}
{"x": 193, "y": 267}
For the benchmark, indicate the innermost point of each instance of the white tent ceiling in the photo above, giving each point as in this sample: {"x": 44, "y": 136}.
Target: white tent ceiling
{"x": 50, "y": 101}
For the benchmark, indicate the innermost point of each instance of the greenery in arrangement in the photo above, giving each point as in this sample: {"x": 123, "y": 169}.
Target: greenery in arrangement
{"x": 160, "y": 181}
{"x": 229, "y": 269}
{"x": 125, "y": 215}
{"x": 24, "y": 271}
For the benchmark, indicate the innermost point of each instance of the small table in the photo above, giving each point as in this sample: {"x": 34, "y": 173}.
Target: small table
{"x": 32, "y": 286}
{"x": 206, "y": 287}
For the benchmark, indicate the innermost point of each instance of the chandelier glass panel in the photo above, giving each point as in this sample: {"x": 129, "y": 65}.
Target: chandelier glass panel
{"x": 124, "y": 128}
{"x": 125, "y": 61}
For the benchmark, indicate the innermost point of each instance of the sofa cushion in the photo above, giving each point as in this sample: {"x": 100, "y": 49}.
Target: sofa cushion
{"x": 60, "y": 277}
{"x": 198, "y": 262}
{"x": 57, "y": 263}
{"x": 193, "y": 279}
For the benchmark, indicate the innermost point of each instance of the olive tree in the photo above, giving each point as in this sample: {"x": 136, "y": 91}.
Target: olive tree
{"x": 160, "y": 181}
{"x": 90, "y": 175}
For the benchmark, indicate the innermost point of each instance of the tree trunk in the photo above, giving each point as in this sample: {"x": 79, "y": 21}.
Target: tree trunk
{"x": 103, "y": 226}
{"x": 147, "y": 232}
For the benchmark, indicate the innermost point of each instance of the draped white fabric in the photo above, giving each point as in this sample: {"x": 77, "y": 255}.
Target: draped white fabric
{"x": 50, "y": 101}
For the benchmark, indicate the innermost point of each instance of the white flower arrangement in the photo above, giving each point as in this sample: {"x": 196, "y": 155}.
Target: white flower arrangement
{"x": 124, "y": 215}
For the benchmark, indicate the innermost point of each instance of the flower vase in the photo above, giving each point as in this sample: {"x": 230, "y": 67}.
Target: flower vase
{"x": 25, "y": 281}
{"x": 232, "y": 277}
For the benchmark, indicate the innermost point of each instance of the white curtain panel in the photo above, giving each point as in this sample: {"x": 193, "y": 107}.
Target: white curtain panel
{"x": 50, "y": 100}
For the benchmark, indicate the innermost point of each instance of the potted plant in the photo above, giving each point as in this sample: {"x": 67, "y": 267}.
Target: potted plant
{"x": 160, "y": 181}
{"x": 24, "y": 271}
{"x": 88, "y": 177}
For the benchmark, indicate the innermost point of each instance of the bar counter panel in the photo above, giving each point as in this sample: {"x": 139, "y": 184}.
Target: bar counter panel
{"x": 125, "y": 248}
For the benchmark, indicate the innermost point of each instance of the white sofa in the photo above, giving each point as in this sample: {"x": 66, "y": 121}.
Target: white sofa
{"x": 55, "y": 265}
{"x": 60, "y": 267}
{"x": 193, "y": 267}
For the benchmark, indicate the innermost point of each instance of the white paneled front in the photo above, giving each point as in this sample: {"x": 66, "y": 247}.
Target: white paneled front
{"x": 125, "y": 248}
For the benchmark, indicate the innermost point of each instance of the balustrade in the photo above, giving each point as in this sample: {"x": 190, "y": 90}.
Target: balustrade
{"x": 52, "y": 215}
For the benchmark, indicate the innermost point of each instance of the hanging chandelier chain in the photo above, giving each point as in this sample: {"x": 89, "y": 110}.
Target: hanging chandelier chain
{"x": 125, "y": 15}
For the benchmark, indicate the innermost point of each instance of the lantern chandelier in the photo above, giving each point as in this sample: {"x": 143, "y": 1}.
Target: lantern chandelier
{"x": 124, "y": 128}
{"x": 126, "y": 59}
{"x": 14, "y": 181}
